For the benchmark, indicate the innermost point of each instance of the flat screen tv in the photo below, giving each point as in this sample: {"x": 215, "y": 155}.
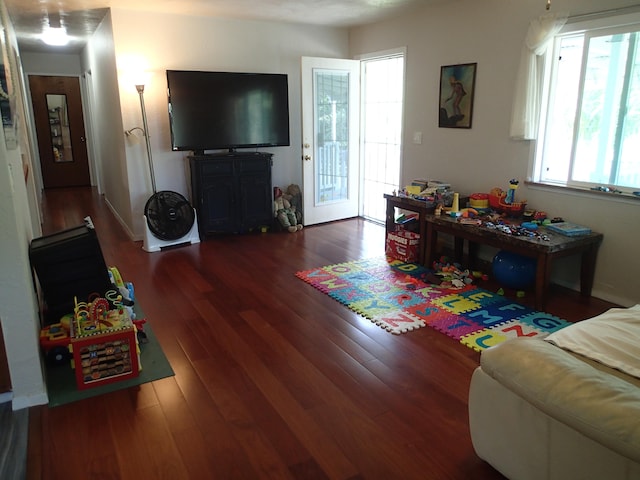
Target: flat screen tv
{"x": 226, "y": 110}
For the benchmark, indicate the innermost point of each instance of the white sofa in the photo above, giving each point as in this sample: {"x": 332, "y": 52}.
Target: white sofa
{"x": 565, "y": 407}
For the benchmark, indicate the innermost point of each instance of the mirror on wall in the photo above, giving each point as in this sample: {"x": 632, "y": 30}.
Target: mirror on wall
{"x": 59, "y": 128}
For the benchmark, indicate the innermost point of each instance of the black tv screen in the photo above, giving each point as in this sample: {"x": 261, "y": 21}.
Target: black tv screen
{"x": 226, "y": 110}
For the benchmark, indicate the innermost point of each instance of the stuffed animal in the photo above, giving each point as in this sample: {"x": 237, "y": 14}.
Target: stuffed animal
{"x": 294, "y": 195}
{"x": 284, "y": 212}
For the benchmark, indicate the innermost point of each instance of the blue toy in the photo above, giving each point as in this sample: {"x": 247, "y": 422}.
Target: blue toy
{"x": 514, "y": 271}
{"x": 511, "y": 193}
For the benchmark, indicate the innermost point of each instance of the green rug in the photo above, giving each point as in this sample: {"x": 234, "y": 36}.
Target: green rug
{"x": 61, "y": 380}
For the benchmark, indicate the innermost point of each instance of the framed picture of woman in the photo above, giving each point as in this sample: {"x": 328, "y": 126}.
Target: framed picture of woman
{"x": 457, "y": 85}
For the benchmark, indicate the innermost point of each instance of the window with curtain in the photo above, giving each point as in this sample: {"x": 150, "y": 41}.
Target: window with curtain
{"x": 589, "y": 132}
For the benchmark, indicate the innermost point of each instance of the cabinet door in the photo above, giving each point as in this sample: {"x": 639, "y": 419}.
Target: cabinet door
{"x": 232, "y": 192}
{"x": 255, "y": 196}
{"x": 218, "y": 205}
{"x": 256, "y": 206}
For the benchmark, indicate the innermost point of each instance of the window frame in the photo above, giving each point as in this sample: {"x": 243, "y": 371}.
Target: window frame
{"x": 585, "y": 26}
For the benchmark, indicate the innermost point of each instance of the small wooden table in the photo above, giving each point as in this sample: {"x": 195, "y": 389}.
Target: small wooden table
{"x": 544, "y": 251}
{"x": 405, "y": 203}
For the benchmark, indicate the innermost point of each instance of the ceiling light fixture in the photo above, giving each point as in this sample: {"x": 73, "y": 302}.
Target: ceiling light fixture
{"x": 54, "y": 33}
{"x": 55, "y": 36}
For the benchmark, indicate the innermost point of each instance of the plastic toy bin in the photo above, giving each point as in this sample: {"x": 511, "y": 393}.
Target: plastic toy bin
{"x": 402, "y": 245}
{"x": 68, "y": 264}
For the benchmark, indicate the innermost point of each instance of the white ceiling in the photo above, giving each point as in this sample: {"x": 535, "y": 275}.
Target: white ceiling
{"x": 81, "y": 17}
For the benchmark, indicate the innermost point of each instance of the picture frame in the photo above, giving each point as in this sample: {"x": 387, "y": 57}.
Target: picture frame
{"x": 7, "y": 93}
{"x": 457, "y": 89}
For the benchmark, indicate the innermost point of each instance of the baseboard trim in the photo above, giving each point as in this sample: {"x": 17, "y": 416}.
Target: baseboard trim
{"x": 30, "y": 401}
{"x": 126, "y": 228}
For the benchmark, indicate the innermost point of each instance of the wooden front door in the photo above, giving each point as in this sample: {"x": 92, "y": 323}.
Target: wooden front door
{"x": 57, "y": 110}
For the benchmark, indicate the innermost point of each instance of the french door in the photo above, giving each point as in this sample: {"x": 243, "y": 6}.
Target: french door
{"x": 330, "y": 139}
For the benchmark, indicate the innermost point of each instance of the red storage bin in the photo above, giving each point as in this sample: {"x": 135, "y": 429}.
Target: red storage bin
{"x": 402, "y": 245}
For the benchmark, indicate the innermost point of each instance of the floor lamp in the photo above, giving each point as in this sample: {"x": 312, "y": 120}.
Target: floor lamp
{"x": 145, "y": 129}
{"x": 152, "y": 241}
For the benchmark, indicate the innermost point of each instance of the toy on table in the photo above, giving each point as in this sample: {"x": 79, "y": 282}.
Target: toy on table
{"x": 498, "y": 202}
{"x": 455, "y": 206}
{"x": 479, "y": 201}
{"x": 511, "y": 193}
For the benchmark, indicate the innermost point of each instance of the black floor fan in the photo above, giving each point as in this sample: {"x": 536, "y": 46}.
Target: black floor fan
{"x": 169, "y": 217}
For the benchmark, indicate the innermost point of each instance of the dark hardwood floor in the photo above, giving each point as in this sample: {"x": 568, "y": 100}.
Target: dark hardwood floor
{"x": 273, "y": 379}
{"x": 13, "y": 442}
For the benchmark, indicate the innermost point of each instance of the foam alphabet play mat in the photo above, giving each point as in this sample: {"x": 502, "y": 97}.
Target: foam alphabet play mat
{"x": 401, "y": 297}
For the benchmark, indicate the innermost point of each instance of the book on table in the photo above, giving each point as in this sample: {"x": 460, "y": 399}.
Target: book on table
{"x": 569, "y": 229}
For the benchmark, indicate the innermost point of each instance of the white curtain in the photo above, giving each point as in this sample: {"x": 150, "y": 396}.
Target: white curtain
{"x": 526, "y": 103}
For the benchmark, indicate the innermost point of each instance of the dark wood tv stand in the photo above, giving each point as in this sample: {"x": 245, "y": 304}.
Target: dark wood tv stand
{"x": 232, "y": 191}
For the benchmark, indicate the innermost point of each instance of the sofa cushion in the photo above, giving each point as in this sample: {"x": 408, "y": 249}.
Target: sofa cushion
{"x": 601, "y": 406}
{"x": 612, "y": 338}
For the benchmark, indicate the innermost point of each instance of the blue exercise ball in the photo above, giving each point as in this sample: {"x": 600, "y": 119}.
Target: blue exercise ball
{"x": 514, "y": 271}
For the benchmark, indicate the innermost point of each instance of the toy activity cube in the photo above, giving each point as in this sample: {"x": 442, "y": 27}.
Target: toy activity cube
{"x": 103, "y": 343}
{"x": 105, "y": 357}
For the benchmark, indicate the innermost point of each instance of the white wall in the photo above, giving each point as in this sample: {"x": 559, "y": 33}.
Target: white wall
{"x": 161, "y": 42}
{"x": 491, "y": 33}
{"x": 99, "y": 65}
{"x": 64, "y": 64}
{"x": 18, "y": 305}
